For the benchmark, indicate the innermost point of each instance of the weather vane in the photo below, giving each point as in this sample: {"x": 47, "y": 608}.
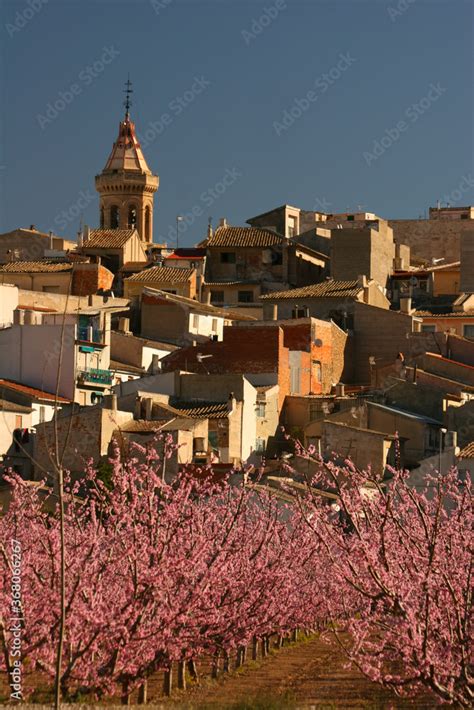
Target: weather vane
{"x": 127, "y": 103}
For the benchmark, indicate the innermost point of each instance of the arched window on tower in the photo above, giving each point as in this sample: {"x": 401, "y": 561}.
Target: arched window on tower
{"x": 147, "y": 224}
{"x": 132, "y": 217}
{"x": 114, "y": 217}
{"x": 102, "y": 222}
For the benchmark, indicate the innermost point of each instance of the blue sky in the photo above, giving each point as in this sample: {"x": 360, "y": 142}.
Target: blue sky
{"x": 241, "y": 106}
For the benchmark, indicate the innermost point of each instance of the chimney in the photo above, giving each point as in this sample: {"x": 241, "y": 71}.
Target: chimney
{"x": 231, "y": 404}
{"x": 451, "y": 440}
{"x": 274, "y": 312}
{"x": 124, "y": 325}
{"x": 362, "y": 281}
{"x": 18, "y": 317}
{"x": 208, "y": 298}
{"x": 32, "y": 228}
{"x": 405, "y": 305}
{"x": 50, "y": 239}
{"x": 155, "y": 364}
{"x": 340, "y": 390}
{"x": 148, "y": 408}
{"x": 222, "y": 222}
{"x": 113, "y": 402}
{"x": 86, "y": 233}
{"x": 209, "y": 230}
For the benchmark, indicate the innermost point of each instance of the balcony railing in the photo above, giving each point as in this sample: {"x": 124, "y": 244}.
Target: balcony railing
{"x": 96, "y": 377}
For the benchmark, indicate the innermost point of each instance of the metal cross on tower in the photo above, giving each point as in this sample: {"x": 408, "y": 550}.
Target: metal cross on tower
{"x": 127, "y": 103}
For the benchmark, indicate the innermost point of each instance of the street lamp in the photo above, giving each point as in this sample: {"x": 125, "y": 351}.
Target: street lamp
{"x": 179, "y": 219}
{"x": 442, "y": 432}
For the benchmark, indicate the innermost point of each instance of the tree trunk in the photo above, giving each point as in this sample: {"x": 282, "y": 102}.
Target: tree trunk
{"x": 125, "y": 695}
{"x": 279, "y": 642}
{"x": 193, "y": 671}
{"x": 254, "y": 648}
{"x": 295, "y": 635}
{"x": 264, "y": 647}
{"x": 168, "y": 682}
{"x": 182, "y": 675}
{"x": 142, "y": 693}
{"x": 226, "y": 663}
{"x": 62, "y": 587}
{"x": 215, "y": 665}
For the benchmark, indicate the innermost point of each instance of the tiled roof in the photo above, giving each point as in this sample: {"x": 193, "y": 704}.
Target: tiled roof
{"x": 452, "y": 314}
{"x": 162, "y": 274}
{"x": 184, "y": 253}
{"x": 243, "y": 282}
{"x": 30, "y": 391}
{"x": 35, "y": 267}
{"x": 244, "y": 237}
{"x": 197, "y": 410}
{"x": 467, "y": 452}
{"x": 212, "y": 410}
{"x": 108, "y": 238}
{"x": 205, "y": 308}
{"x": 140, "y": 425}
{"x": 326, "y": 289}
{"x": 134, "y": 266}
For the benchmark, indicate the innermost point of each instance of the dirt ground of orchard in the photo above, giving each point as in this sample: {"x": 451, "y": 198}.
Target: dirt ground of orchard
{"x": 310, "y": 675}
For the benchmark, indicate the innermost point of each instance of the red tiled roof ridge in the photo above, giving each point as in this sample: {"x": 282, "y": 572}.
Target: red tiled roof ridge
{"x": 33, "y": 391}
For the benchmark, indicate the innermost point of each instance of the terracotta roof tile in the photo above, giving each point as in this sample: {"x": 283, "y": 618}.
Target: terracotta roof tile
{"x": 35, "y": 267}
{"x": 30, "y": 391}
{"x": 161, "y": 274}
{"x": 467, "y": 452}
{"x": 108, "y": 238}
{"x": 243, "y": 237}
{"x": 326, "y": 289}
{"x": 150, "y": 295}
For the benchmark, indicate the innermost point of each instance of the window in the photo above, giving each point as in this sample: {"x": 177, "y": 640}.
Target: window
{"x": 300, "y": 312}
{"x": 147, "y": 224}
{"x": 132, "y": 217}
{"x": 214, "y": 325}
{"x": 227, "y": 257}
{"x": 277, "y": 257}
{"x": 169, "y": 290}
{"x": 245, "y": 297}
{"x": 195, "y": 321}
{"x": 292, "y": 227}
{"x": 468, "y": 331}
{"x": 350, "y": 218}
{"x": 42, "y": 414}
{"x": 50, "y": 289}
{"x": 259, "y": 446}
{"x": 428, "y": 328}
{"x": 114, "y": 217}
{"x": 317, "y": 370}
{"x": 260, "y": 409}
{"x": 217, "y": 296}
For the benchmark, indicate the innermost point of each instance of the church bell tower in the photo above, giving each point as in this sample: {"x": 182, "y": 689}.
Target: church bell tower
{"x": 126, "y": 185}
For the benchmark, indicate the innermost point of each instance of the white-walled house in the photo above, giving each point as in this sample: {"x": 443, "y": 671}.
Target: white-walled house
{"x": 16, "y": 447}
{"x": 8, "y": 304}
{"x": 32, "y": 349}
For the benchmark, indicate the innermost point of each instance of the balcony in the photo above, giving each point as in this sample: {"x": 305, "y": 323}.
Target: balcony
{"x": 93, "y": 376}
{"x": 88, "y": 334}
